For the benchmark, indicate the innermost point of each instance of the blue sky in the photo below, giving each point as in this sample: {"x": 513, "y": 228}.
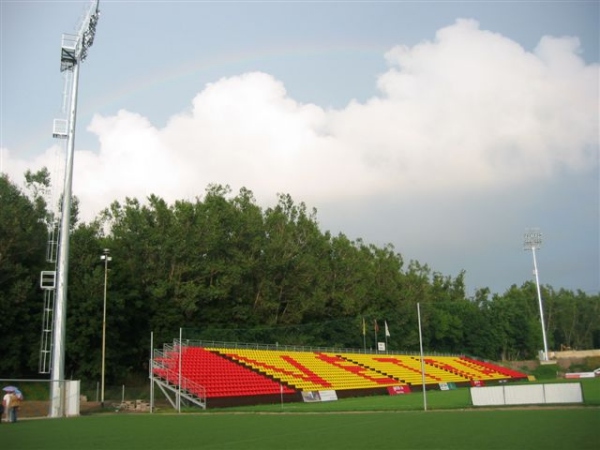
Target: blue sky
{"x": 445, "y": 128}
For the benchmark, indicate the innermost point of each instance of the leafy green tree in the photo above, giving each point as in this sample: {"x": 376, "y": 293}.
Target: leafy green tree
{"x": 225, "y": 269}
{"x": 576, "y": 319}
{"x": 22, "y": 253}
{"x": 85, "y": 304}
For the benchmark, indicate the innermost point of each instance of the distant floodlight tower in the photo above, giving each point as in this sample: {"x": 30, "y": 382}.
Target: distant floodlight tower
{"x": 533, "y": 240}
{"x": 74, "y": 50}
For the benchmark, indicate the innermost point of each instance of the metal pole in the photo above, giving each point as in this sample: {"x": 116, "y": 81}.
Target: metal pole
{"x": 422, "y": 359}
{"x": 385, "y": 332}
{"x": 60, "y": 313}
{"x": 364, "y": 330}
{"x": 106, "y": 260}
{"x": 539, "y": 295}
{"x": 151, "y": 372}
{"x": 533, "y": 240}
{"x": 375, "y": 332}
{"x": 179, "y": 382}
{"x": 85, "y": 38}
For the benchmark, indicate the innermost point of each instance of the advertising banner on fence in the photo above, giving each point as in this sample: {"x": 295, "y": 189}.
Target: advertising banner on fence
{"x": 319, "y": 396}
{"x": 398, "y": 390}
{"x": 595, "y": 373}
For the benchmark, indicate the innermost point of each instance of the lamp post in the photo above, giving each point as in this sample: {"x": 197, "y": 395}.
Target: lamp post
{"x": 533, "y": 240}
{"x": 106, "y": 259}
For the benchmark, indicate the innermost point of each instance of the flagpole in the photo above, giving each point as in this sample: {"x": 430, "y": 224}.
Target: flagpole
{"x": 386, "y": 333}
{"x": 375, "y": 329}
{"x": 364, "y": 336}
{"x": 422, "y": 359}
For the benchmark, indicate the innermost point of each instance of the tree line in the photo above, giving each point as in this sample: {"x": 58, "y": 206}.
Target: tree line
{"x": 226, "y": 269}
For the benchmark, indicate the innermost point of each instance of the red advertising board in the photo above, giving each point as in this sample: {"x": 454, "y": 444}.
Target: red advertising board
{"x": 397, "y": 390}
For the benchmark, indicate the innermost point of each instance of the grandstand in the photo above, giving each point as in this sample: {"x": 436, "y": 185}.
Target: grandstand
{"x": 219, "y": 374}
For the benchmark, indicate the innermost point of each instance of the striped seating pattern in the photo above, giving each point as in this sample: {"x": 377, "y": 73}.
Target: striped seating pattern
{"x": 226, "y": 372}
{"x": 406, "y": 369}
{"x": 219, "y": 376}
{"x": 308, "y": 371}
{"x": 446, "y": 369}
{"x": 488, "y": 368}
{"x": 223, "y": 378}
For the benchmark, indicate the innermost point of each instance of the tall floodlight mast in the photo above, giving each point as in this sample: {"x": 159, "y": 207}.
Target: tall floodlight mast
{"x": 74, "y": 51}
{"x": 533, "y": 240}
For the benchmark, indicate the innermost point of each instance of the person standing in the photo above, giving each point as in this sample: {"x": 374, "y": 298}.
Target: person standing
{"x": 15, "y": 402}
{"x": 6, "y": 405}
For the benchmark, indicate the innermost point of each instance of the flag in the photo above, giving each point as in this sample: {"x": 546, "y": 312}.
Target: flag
{"x": 364, "y": 327}
{"x": 387, "y": 330}
{"x": 376, "y": 327}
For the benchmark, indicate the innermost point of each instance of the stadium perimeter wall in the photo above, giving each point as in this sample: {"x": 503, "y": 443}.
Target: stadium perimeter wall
{"x": 564, "y": 359}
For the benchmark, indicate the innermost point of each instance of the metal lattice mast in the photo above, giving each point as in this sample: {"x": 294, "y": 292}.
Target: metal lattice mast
{"x": 532, "y": 241}
{"x": 73, "y": 52}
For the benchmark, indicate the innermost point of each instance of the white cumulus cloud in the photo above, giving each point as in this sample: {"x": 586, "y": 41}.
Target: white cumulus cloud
{"x": 469, "y": 110}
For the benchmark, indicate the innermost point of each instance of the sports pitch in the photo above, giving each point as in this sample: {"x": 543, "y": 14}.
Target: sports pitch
{"x": 531, "y": 429}
{"x": 379, "y": 422}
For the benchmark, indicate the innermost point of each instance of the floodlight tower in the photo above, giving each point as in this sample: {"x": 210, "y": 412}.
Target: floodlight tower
{"x": 74, "y": 51}
{"x": 533, "y": 240}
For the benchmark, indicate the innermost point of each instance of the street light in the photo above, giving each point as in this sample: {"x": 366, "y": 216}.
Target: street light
{"x": 533, "y": 240}
{"x": 106, "y": 259}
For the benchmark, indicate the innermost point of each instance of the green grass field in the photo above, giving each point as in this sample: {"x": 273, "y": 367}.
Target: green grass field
{"x": 501, "y": 429}
{"x": 396, "y": 422}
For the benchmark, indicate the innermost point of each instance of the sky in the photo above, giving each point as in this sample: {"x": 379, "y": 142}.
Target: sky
{"x": 444, "y": 128}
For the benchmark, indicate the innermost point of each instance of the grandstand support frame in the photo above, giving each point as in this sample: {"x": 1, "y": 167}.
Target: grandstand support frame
{"x": 177, "y": 395}
{"x": 179, "y": 389}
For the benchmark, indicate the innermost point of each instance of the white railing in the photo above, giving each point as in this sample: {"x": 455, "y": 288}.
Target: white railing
{"x": 297, "y": 348}
{"x": 165, "y": 370}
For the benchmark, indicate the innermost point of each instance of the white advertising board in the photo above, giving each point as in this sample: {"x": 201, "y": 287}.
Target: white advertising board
{"x": 564, "y": 393}
{"x": 328, "y": 396}
{"x": 493, "y": 395}
{"x": 524, "y": 395}
{"x": 319, "y": 396}
{"x": 531, "y": 394}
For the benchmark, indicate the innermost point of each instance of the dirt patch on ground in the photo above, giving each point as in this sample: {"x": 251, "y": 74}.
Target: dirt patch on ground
{"x": 35, "y": 409}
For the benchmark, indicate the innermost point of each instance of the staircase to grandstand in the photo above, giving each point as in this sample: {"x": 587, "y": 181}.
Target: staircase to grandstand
{"x": 241, "y": 374}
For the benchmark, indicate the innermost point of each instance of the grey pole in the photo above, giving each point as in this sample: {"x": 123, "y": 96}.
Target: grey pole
{"x": 422, "y": 358}
{"x": 60, "y": 314}
{"x": 532, "y": 241}
{"x": 70, "y": 60}
{"x": 106, "y": 259}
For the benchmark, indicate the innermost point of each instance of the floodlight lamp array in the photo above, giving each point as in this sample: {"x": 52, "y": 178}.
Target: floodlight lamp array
{"x": 532, "y": 238}
{"x": 87, "y": 37}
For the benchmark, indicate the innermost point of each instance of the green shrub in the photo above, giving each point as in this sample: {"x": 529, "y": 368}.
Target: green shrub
{"x": 591, "y": 363}
{"x": 545, "y": 372}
